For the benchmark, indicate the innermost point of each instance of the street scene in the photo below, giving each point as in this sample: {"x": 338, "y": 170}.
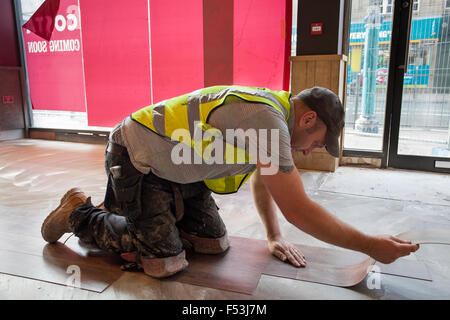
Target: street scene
{"x": 424, "y": 124}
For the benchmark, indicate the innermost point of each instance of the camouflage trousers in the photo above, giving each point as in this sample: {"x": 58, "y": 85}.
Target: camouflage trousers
{"x": 145, "y": 213}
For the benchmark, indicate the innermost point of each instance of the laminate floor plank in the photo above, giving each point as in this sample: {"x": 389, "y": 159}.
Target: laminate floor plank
{"x": 34, "y": 175}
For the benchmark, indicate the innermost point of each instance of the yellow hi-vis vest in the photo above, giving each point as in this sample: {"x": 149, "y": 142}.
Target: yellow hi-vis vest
{"x": 191, "y": 111}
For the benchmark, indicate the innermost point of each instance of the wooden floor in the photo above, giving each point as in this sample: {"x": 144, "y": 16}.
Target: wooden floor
{"x": 34, "y": 174}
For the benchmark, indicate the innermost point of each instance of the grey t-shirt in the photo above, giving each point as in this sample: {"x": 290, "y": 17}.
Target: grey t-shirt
{"x": 151, "y": 152}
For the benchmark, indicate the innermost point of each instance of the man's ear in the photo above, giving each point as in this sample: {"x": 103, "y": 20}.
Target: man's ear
{"x": 308, "y": 119}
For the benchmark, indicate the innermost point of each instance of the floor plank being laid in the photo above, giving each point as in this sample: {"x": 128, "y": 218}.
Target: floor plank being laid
{"x": 34, "y": 174}
{"x": 238, "y": 269}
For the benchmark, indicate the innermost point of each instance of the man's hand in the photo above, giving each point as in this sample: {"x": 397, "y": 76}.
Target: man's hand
{"x": 386, "y": 249}
{"x": 284, "y": 250}
{"x": 278, "y": 246}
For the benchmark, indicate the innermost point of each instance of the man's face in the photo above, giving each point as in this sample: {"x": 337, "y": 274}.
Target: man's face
{"x": 304, "y": 141}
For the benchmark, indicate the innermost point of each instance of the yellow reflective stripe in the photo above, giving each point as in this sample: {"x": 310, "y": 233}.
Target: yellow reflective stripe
{"x": 176, "y": 116}
{"x": 222, "y": 185}
{"x": 145, "y": 117}
{"x": 283, "y": 97}
{"x": 213, "y": 185}
{"x": 228, "y": 184}
{"x": 207, "y": 107}
{"x": 235, "y": 155}
{"x": 246, "y": 178}
{"x": 250, "y": 97}
{"x": 214, "y": 89}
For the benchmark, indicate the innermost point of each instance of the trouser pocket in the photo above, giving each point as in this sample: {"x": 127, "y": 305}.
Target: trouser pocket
{"x": 124, "y": 192}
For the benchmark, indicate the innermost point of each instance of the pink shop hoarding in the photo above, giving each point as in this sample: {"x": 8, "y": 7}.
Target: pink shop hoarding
{"x": 111, "y": 58}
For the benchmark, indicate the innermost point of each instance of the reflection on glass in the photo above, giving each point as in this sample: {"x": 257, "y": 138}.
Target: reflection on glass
{"x": 424, "y": 126}
{"x": 368, "y": 62}
{"x": 424, "y": 123}
{"x": 29, "y": 7}
{"x": 55, "y": 69}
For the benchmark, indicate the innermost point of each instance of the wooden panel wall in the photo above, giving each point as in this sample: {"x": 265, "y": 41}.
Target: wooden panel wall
{"x": 324, "y": 71}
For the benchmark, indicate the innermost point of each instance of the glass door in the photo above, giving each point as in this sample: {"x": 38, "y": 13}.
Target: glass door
{"x": 421, "y": 107}
{"x": 398, "y": 83}
{"x": 367, "y": 75}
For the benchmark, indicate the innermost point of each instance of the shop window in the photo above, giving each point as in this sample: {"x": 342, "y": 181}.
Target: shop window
{"x": 416, "y": 6}
{"x": 387, "y": 6}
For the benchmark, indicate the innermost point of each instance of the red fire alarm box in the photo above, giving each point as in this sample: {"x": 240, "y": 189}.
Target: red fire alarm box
{"x": 316, "y": 28}
{"x": 7, "y": 99}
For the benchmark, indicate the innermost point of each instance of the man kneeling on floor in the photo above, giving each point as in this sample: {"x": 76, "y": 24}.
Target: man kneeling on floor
{"x": 164, "y": 160}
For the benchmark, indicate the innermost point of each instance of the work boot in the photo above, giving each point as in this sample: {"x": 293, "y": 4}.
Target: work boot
{"x": 57, "y": 222}
{"x": 204, "y": 245}
{"x": 159, "y": 267}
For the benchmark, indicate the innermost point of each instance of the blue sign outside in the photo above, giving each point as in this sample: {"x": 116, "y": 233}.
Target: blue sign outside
{"x": 421, "y": 29}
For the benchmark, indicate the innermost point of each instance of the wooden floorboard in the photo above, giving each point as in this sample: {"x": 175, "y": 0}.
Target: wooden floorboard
{"x": 35, "y": 174}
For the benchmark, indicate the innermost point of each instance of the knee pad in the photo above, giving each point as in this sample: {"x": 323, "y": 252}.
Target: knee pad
{"x": 205, "y": 245}
{"x": 158, "y": 267}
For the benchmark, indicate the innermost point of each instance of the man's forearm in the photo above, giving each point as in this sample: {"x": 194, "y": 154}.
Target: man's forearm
{"x": 265, "y": 206}
{"x": 318, "y": 222}
{"x": 289, "y": 194}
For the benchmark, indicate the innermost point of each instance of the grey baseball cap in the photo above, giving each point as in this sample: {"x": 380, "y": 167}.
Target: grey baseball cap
{"x": 329, "y": 109}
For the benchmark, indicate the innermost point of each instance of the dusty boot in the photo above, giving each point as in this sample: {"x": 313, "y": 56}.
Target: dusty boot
{"x": 159, "y": 267}
{"x": 205, "y": 245}
{"x": 57, "y": 222}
